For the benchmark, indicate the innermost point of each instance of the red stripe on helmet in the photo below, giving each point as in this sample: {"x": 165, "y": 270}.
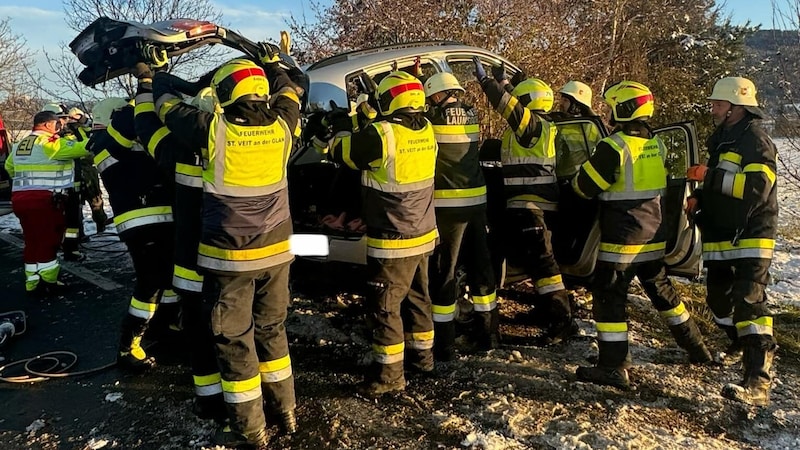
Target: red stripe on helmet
{"x": 643, "y": 99}
{"x": 410, "y": 86}
{"x": 241, "y": 74}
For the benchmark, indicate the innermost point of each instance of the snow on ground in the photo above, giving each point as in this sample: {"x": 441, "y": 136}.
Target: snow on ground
{"x": 785, "y": 271}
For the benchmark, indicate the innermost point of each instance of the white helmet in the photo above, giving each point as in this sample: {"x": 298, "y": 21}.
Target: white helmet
{"x": 442, "y": 82}
{"x": 581, "y": 92}
{"x": 737, "y": 91}
{"x": 205, "y": 101}
{"x": 56, "y": 109}
{"x": 102, "y": 110}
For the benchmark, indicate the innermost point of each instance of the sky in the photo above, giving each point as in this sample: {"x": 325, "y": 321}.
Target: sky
{"x": 42, "y": 24}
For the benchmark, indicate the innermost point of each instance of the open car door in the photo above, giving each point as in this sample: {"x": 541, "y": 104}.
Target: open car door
{"x": 5, "y": 179}
{"x": 684, "y": 252}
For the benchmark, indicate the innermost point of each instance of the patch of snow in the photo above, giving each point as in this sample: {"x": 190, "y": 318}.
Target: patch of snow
{"x": 35, "y": 426}
{"x": 113, "y": 396}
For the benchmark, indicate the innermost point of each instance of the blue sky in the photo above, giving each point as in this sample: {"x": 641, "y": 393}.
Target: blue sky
{"x": 42, "y": 23}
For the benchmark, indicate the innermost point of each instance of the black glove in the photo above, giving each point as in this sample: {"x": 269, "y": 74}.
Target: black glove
{"x": 268, "y": 53}
{"x": 338, "y": 119}
{"x": 499, "y": 72}
{"x": 165, "y": 83}
{"x": 314, "y": 128}
{"x": 480, "y": 72}
{"x": 518, "y": 78}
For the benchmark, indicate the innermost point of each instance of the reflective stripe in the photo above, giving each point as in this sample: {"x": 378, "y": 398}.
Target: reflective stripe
{"x": 630, "y": 191}
{"x": 72, "y": 233}
{"x": 275, "y": 370}
{"x": 484, "y": 303}
{"x": 42, "y": 177}
{"x": 186, "y": 279}
{"x": 244, "y": 260}
{"x": 676, "y": 315}
{"x": 104, "y": 160}
{"x": 242, "y": 391}
{"x": 401, "y": 248}
{"x": 142, "y": 108}
{"x": 189, "y": 175}
{"x": 120, "y": 139}
{"x": 419, "y": 341}
{"x": 164, "y": 103}
{"x": 525, "y": 181}
{"x": 457, "y": 134}
{"x": 143, "y": 216}
{"x": 724, "y": 321}
{"x": 142, "y": 310}
{"x": 530, "y": 201}
{"x": 612, "y": 331}
{"x": 388, "y": 354}
{"x": 746, "y": 248}
{"x": 506, "y": 105}
{"x": 207, "y": 385}
{"x": 443, "y": 313}
{"x": 631, "y": 253}
{"x": 169, "y": 296}
{"x": 548, "y": 285}
{"x": 760, "y": 326}
{"x": 459, "y": 197}
{"x": 595, "y": 176}
{"x": 635, "y": 195}
{"x": 152, "y": 144}
{"x": 763, "y": 168}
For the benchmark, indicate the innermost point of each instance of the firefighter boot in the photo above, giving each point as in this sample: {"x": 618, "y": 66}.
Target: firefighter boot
{"x": 754, "y": 388}
{"x": 210, "y": 407}
{"x": 226, "y": 437}
{"x": 734, "y": 350}
{"x": 288, "y": 422}
{"x": 688, "y": 337}
{"x": 606, "y": 376}
{"x": 560, "y": 324}
{"x": 385, "y": 378}
{"x": 444, "y": 342}
{"x": 99, "y": 216}
{"x": 131, "y": 356}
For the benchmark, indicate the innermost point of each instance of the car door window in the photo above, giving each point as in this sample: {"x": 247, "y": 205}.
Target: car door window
{"x": 356, "y": 85}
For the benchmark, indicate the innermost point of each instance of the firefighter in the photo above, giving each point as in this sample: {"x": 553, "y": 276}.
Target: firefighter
{"x": 627, "y": 173}
{"x": 142, "y": 217}
{"x": 184, "y": 165}
{"x": 42, "y": 170}
{"x": 460, "y": 203}
{"x": 574, "y": 144}
{"x": 90, "y": 191}
{"x": 736, "y": 209}
{"x": 531, "y": 192}
{"x": 244, "y": 245}
{"x": 397, "y": 154}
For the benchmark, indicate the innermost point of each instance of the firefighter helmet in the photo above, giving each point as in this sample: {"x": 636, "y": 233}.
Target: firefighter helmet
{"x": 442, "y": 82}
{"x": 400, "y": 90}
{"x": 580, "y": 92}
{"x": 737, "y": 91}
{"x": 630, "y": 100}
{"x": 534, "y": 94}
{"x": 240, "y": 80}
{"x": 102, "y": 110}
{"x": 204, "y": 101}
{"x": 56, "y": 109}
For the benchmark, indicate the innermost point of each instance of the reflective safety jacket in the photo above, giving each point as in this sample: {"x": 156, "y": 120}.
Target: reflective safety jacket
{"x": 627, "y": 173}
{"x": 184, "y": 164}
{"x": 397, "y": 157}
{"x": 738, "y": 199}
{"x": 138, "y": 196}
{"x": 528, "y": 152}
{"x": 459, "y": 179}
{"x": 574, "y": 144}
{"x": 246, "y": 222}
{"x": 44, "y": 162}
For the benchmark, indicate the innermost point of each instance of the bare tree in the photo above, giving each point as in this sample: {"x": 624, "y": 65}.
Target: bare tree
{"x": 14, "y": 56}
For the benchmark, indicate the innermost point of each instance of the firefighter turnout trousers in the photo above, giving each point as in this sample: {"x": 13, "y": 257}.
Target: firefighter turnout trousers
{"x": 610, "y": 292}
{"x": 151, "y": 252}
{"x": 399, "y": 316}
{"x": 463, "y": 241}
{"x": 247, "y": 313}
{"x": 41, "y": 214}
{"x": 74, "y": 221}
{"x": 528, "y": 245}
{"x": 737, "y": 299}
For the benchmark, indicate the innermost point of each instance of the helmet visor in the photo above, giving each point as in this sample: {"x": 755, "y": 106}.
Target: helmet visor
{"x": 628, "y": 107}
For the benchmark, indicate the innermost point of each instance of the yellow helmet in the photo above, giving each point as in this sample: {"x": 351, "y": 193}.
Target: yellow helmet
{"x": 581, "y": 92}
{"x": 630, "y": 100}
{"x": 400, "y": 90}
{"x": 240, "y": 79}
{"x": 204, "y": 100}
{"x": 442, "y": 82}
{"x": 75, "y": 113}
{"x": 102, "y": 110}
{"x": 535, "y": 94}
